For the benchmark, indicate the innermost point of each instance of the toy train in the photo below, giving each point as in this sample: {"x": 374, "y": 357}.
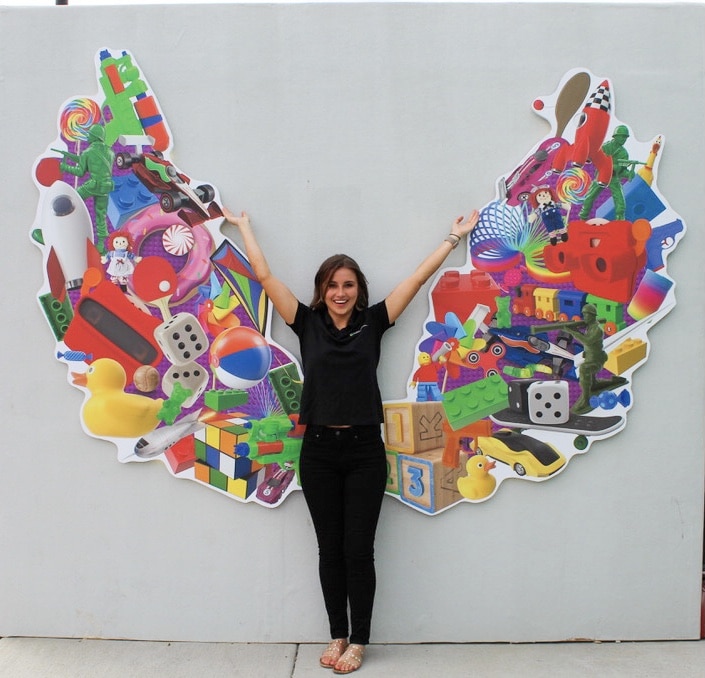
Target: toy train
{"x": 550, "y": 304}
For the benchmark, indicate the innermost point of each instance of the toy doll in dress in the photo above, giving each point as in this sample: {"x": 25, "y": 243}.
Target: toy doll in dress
{"x": 120, "y": 258}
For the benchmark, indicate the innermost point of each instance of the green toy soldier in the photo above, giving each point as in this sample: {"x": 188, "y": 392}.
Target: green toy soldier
{"x": 97, "y": 162}
{"x": 594, "y": 357}
{"x": 623, "y": 168}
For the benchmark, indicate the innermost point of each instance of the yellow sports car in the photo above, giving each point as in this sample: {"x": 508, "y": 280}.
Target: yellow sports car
{"x": 526, "y": 455}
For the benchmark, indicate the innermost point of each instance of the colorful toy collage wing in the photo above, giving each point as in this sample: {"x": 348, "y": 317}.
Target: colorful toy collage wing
{"x": 528, "y": 352}
{"x": 525, "y": 359}
{"x": 159, "y": 318}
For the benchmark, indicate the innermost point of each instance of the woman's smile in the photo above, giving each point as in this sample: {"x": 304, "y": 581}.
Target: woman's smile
{"x": 341, "y": 296}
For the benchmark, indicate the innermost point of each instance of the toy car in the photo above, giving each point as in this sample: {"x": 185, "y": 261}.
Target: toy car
{"x": 171, "y": 187}
{"x": 272, "y": 489}
{"x": 526, "y": 455}
{"x": 535, "y": 170}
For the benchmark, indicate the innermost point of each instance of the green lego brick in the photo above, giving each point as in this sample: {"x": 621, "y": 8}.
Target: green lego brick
{"x": 477, "y": 400}
{"x": 58, "y": 313}
{"x": 224, "y": 399}
{"x": 287, "y": 384}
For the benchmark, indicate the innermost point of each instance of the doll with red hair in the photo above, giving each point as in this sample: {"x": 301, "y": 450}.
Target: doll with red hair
{"x": 120, "y": 258}
{"x": 546, "y": 205}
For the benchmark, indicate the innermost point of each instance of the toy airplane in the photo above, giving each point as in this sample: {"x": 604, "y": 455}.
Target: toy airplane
{"x": 161, "y": 439}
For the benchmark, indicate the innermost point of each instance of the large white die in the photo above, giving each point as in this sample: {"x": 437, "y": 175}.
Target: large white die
{"x": 192, "y": 376}
{"x": 549, "y": 402}
{"x": 181, "y": 338}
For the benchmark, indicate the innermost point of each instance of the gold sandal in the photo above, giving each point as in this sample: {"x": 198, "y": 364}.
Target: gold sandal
{"x": 350, "y": 660}
{"x": 331, "y": 655}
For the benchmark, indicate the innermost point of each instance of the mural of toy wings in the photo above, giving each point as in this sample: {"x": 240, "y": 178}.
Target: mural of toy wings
{"x": 159, "y": 318}
{"x": 527, "y": 354}
{"x": 524, "y": 361}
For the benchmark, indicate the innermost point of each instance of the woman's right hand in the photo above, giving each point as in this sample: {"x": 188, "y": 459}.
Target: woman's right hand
{"x": 242, "y": 221}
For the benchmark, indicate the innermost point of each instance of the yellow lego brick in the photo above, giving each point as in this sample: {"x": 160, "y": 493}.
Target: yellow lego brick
{"x": 626, "y": 355}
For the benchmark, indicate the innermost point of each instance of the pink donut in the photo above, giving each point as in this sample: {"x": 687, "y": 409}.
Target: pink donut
{"x": 197, "y": 268}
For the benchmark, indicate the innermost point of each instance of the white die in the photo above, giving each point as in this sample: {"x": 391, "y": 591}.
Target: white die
{"x": 192, "y": 376}
{"x": 549, "y": 402}
{"x": 181, "y": 338}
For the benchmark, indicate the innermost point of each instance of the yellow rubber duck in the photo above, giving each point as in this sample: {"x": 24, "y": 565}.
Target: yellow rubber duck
{"x": 478, "y": 483}
{"x": 108, "y": 410}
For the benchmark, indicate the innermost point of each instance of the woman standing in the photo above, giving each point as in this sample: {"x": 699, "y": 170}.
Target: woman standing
{"x": 343, "y": 468}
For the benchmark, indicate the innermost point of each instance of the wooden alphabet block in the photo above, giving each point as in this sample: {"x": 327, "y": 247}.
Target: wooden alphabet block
{"x": 412, "y": 427}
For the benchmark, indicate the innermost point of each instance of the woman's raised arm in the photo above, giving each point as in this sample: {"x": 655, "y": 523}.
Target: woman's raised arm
{"x": 400, "y": 297}
{"x": 283, "y": 299}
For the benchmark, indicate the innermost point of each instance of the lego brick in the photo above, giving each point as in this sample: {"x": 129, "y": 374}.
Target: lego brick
{"x": 128, "y": 197}
{"x": 626, "y": 355}
{"x": 425, "y": 483}
{"x": 182, "y": 454}
{"x": 58, "y": 313}
{"x": 244, "y": 487}
{"x": 411, "y": 427}
{"x": 392, "y": 472}
{"x": 224, "y": 399}
{"x": 475, "y": 401}
{"x": 460, "y": 293}
{"x": 288, "y": 385}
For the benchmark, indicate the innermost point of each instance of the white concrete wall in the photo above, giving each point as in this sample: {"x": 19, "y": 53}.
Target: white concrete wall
{"x": 366, "y": 128}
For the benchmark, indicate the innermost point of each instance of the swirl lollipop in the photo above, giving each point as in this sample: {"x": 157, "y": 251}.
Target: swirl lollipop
{"x": 573, "y": 185}
{"x": 77, "y": 117}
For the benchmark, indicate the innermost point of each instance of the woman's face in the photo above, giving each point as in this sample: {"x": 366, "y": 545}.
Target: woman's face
{"x": 341, "y": 296}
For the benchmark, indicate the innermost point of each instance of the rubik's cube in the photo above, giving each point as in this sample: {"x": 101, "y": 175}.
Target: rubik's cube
{"x": 217, "y": 462}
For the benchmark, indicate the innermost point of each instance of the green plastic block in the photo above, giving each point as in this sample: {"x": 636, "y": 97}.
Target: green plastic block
{"x": 472, "y": 402}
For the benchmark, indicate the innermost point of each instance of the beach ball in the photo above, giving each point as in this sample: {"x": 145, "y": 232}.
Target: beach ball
{"x": 240, "y": 357}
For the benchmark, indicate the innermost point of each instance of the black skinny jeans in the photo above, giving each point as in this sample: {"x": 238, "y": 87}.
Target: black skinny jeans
{"x": 343, "y": 475}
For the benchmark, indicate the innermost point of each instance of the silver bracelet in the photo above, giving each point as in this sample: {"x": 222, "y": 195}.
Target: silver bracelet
{"x": 449, "y": 239}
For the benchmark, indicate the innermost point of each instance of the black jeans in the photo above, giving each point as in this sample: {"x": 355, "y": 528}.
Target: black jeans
{"x": 343, "y": 475}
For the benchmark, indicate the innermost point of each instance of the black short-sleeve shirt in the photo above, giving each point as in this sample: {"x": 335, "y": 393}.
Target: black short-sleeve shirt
{"x": 340, "y": 366}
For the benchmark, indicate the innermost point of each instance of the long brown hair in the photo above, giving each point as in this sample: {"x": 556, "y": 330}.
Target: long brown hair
{"x": 327, "y": 270}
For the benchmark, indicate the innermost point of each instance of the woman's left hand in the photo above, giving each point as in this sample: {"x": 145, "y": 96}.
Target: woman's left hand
{"x": 463, "y": 226}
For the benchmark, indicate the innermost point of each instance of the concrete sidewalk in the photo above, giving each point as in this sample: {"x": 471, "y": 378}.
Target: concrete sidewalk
{"x": 59, "y": 658}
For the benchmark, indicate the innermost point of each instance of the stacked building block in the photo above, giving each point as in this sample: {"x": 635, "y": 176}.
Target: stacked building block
{"x": 415, "y": 440}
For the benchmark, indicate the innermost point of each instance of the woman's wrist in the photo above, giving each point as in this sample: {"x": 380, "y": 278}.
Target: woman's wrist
{"x": 453, "y": 239}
